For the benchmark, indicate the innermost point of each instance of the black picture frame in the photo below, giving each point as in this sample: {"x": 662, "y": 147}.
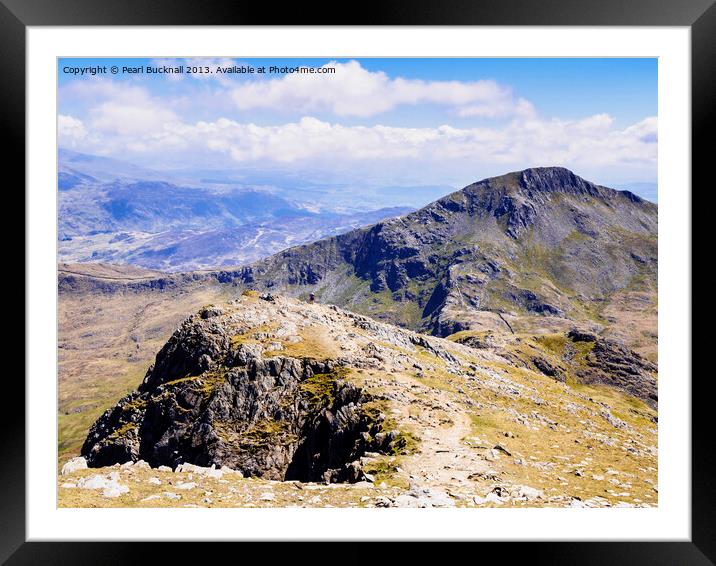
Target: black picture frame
{"x": 698, "y": 15}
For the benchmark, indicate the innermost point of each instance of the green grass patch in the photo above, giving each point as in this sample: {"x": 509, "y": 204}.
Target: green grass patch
{"x": 394, "y": 307}
{"x": 574, "y": 354}
{"x": 123, "y": 430}
{"x": 481, "y": 423}
{"x": 581, "y": 352}
{"x": 138, "y": 404}
{"x": 380, "y": 468}
{"x": 385, "y": 471}
{"x": 555, "y": 343}
{"x": 319, "y": 389}
{"x": 209, "y": 383}
{"x": 82, "y": 404}
{"x": 405, "y": 443}
{"x": 268, "y": 432}
{"x": 204, "y": 384}
{"x": 375, "y": 410}
{"x": 175, "y": 382}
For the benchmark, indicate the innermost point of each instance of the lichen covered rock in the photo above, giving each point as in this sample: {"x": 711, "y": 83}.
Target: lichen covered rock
{"x": 213, "y": 400}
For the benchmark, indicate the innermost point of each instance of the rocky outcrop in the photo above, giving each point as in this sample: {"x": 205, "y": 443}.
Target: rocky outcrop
{"x": 211, "y": 399}
{"x": 517, "y": 215}
{"x": 547, "y": 368}
{"x": 531, "y": 302}
{"x": 611, "y": 363}
{"x": 576, "y": 356}
{"x": 592, "y": 360}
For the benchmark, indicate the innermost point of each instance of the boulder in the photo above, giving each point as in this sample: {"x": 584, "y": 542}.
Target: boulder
{"x": 74, "y": 465}
{"x": 110, "y": 486}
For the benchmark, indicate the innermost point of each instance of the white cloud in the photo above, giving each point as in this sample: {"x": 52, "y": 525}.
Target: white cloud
{"x": 124, "y": 120}
{"x": 590, "y": 145}
{"x": 130, "y": 119}
{"x": 545, "y": 142}
{"x": 70, "y": 131}
{"x": 355, "y": 91}
{"x": 121, "y": 108}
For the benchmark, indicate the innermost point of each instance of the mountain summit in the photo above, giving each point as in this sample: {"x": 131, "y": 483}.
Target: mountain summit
{"x": 541, "y": 242}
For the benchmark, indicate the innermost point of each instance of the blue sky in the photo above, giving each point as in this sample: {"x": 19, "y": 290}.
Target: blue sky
{"x": 391, "y": 121}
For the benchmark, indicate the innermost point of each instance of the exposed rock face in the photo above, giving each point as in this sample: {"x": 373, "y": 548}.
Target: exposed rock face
{"x": 210, "y": 399}
{"x": 547, "y": 368}
{"x": 580, "y": 356}
{"x": 535, "y": 242}
{"x": 610, "y": 363}
{"x": 482, "y": 341}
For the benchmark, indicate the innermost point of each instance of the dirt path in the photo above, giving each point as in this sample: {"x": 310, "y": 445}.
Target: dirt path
{"x": 445, "y": 461}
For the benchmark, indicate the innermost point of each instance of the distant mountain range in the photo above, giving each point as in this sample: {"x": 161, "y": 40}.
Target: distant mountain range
{"x": 115, "y": 212}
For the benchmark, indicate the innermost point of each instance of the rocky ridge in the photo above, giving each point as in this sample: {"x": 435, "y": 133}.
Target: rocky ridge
{"x": 575, "y": 356}
{"x": 288, "y": 392}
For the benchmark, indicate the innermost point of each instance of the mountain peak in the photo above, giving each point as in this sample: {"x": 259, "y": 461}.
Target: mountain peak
{"x": 556, "y": 179}
{"x": 506, "y": 244}
{"x": 549, "y": 180}
{"x": 541, "y": 180}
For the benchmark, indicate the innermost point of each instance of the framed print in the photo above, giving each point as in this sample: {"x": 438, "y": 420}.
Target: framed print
{"x": 424, "y": 276}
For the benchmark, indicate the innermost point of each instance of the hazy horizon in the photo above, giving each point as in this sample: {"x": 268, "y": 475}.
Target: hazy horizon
{"x": 404, "y": 195}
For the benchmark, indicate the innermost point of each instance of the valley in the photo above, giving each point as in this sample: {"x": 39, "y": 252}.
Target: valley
{"x": 114, "y": 212}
